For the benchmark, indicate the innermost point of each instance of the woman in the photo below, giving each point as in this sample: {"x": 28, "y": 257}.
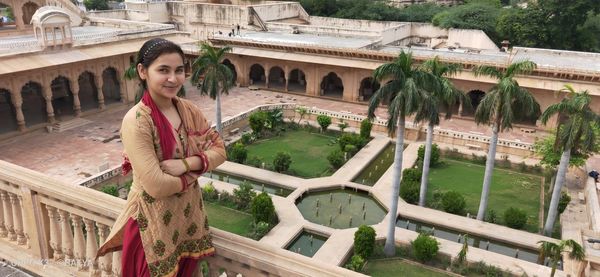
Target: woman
{"x": 163, "y": 230}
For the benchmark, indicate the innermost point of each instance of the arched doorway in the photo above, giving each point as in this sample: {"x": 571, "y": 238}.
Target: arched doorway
{"x": 332, "y": 86}
{"x": 34, "y": 104}
{"x": 29, "y": 9}
{"x": 276, "y": 78}
{"x": 111, "y": 89}
{"x": 7, "y": 113}
{"x": 62, "y": 98}
{"x": 368, "y": 86}
{"x": 297, "y": 81}
{"x": 475, "y": 96}
{"x": 233, "y": 71}
{"x": 88, "y": 92}
{"x": 257, "y": 75}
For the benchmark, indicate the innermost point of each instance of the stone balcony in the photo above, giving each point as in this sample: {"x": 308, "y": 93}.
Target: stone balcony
{"x": 41, "y": 231}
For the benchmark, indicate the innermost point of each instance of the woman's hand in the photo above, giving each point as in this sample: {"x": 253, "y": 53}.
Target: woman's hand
{"x": 173, "y": 167}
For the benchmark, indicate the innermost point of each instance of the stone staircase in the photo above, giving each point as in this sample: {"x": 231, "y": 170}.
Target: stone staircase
{"x": 70, "y": 124}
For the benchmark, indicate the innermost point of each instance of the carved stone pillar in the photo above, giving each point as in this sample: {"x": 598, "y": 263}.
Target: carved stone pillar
{"x": 106, "y": 260}
{"x": 122, "y": 90}
{"x": 78, "y": 242}
{"x": 18, "y": 13}
{"x": 75, "y": 91}
{"x": 100, "y": 85}
{"x": 91, "y": 247}
{"x": 55, "y": 242}
{"x": 66, "y": 235}
{"x": 49, "y": 109}
{"x": 17, "y": 218}
{"x": 8, "y": 217}
{"x": 17, "y": 102}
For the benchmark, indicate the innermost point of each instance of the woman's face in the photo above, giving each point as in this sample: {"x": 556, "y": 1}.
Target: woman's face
{"x": 165, "y": 76}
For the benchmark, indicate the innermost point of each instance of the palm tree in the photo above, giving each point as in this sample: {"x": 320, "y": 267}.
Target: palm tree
{"x": 405, "y": 91}
{"x": 445, "y": 96}
{"x": 574, "y": 133}
{"x": 554, "y": 252}
{"x": 505, "y": 102}
{"x": 218, "y": 78}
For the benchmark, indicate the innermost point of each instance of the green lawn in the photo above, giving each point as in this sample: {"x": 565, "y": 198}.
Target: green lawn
{"x": 228, "y": 219}
{"x": 509, "y": 188}
{"x": 308, "y": 151}
{"x": 399, "y": 267}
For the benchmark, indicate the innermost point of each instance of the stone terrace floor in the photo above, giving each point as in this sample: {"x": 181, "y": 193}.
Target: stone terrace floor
{"x": 76, "y": 154}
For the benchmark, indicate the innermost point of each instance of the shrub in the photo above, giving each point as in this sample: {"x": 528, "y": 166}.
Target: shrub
{"x": 351, "y": 149}
{"x": 209, "y": 193}
{"x": 353, "y": 139}
{"x": 454, "y": 203}
{"x": 492, "y": 217}
{"x": 356, "y": 263}
{"x": 324, "y": 121}
{"x": 336, "y": 158}
{"x": 238, "y": 153}
{"x": 111, "y": 189}
{"x": 364, "y": 241}
{"x": 412, "y": 175}
{"x": 342, "y": 125}
{"x": 262, "y": 208}
{"x": 563, "y": 202}
{"x": 257, "y": 121}
{"x": 365, "y": 128}
{"x": 246, "y": 138}
{"x": 409, "y": 191}
{"x": 260, "y": 229}
{"x": 515, "y": 218}
{"x": 255, "y": 161}
{"x": 487, "y": 270}
{"x": 282, "y": 161}
{"x": 522, "y": 167}
{"x": 435, "y": 155}
{"x": 425, "y": 247}
{"x": 479, "y": 159}
{"x": 243, "y": 195}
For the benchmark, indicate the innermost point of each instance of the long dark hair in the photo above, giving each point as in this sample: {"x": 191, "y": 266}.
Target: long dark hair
{"x": 149, "y": 52}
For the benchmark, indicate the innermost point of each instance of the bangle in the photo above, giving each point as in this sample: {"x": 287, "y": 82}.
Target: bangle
{"x": 187, "y": 166}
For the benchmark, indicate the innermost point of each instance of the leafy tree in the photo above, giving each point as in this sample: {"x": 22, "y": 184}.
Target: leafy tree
{"x": 302, "y": 111}
{"x": 454, "y": 203}
{"x": 505, "y": 102}
{"x": 350, "y": 139}
{"x": 282, "y": 161}
{"x": 262, "y": 208}
{"x": 405, "y": 90}
{"x": 336, "y": 158}
{"x": 575, "y": 133}
{"x": 238, "y": 153}
{"x": 425, "y": 247}
{"x": 324, "y": 121}
{"x": 435, "y": 155}
{"x": 342, "y": 125}
{"x": 365, "y": 128}
{"x": 217, "y": 77}
{"x": 524, "y": 27}
{"x": 257, "y": 121}
{"x": 475, "y": 15}
{"x": 243, "y": 195}
{"x": 546, "y": 148}
{"x": 515, "y": 218}
{"x": 364, "y": 241}
{"x": 446, "y": 95}
{"x": 95, "y": 4}
{"x": 554, "y": 252}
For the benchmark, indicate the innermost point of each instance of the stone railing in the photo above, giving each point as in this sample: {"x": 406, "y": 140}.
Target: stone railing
{"x": 54, "y": 229}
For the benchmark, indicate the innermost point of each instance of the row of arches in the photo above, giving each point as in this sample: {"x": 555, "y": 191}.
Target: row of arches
{"x": 62, "y": 100}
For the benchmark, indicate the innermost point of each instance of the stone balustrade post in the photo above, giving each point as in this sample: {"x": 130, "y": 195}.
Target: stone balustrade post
{"x": 55, "y": 237}
{"x": 3, "y": 229}
{"x": 17, "y": 218}
{"x": 106, "y": 260}
{"x": 66, "y": 235}
{"x": 8, "y": 217}
{"x": 91, "y": 247}
{"x": 116, "y": 263}
{"x": 78, "y": 242}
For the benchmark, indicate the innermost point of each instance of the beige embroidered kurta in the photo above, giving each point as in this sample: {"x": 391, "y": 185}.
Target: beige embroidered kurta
{"x": 172, "y": 222}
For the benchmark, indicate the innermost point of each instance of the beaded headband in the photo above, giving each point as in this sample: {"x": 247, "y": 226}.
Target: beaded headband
{"x": 154, "y": 45}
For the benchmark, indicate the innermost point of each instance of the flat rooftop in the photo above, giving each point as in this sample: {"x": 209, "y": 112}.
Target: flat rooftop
{"x": 285, "y": 37}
